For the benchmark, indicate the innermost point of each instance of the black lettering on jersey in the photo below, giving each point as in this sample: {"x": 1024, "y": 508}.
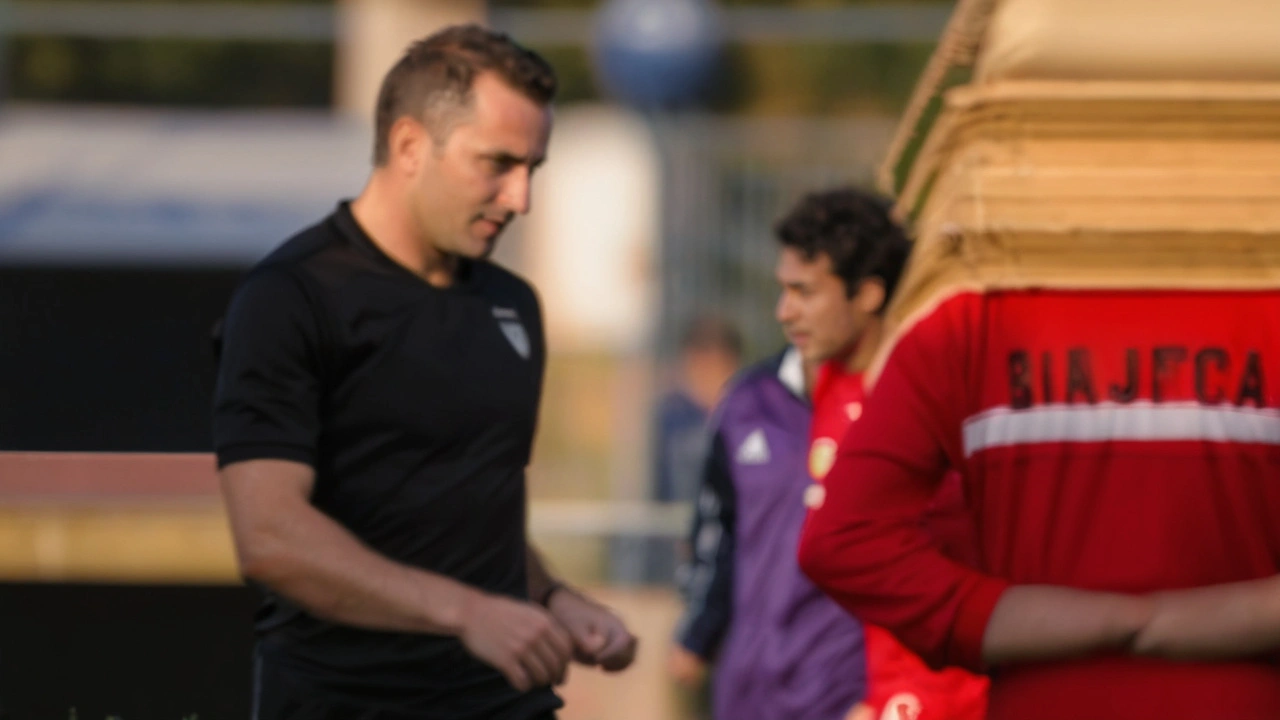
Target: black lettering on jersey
{"x": 1251, "y": 381}
{"x": 1214, "y": 375}
{"x": 1046, "y": 377}
{"x": 1204, "y": 359}
{"x": 1127, "y": 393}
{"x": 1020, "y": 380}
{"x": 1164, "y": 362}
{"x": 1080, "y": 375}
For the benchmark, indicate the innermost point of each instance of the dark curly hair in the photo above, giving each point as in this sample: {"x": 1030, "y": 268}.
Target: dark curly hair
{"x": 432, "y": 81}
{"x": 854, "y": 229}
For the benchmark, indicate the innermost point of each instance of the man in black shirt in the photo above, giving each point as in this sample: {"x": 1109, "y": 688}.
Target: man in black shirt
{"x": 377, "y": 394}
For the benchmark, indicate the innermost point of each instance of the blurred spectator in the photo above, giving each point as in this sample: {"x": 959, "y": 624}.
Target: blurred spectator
{"x": 710, "y": 353}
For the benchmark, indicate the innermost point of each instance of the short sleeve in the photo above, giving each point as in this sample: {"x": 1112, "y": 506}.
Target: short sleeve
{"x": 267, "y": 396}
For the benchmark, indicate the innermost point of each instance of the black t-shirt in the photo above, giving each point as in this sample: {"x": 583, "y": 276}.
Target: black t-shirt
{"x": 416, "y": 407}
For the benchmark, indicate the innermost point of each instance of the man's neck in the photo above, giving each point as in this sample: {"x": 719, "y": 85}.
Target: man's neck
{"x": 811, "y": 370}
{"x": 389, "y": 224}
{"x": 860, "y": 357}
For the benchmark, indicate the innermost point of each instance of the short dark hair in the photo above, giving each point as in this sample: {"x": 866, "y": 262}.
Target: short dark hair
{"x": 435, "y": 75}
{"x": 711, "y": 332}
{"x": 854, "y": 229}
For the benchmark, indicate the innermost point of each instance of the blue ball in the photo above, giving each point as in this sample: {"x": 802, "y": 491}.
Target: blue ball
{"x": 657, "y": 53}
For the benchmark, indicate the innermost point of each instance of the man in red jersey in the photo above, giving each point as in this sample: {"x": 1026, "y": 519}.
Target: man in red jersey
{"x": 841, "y": 257}
{"x": 1118, "y": 448}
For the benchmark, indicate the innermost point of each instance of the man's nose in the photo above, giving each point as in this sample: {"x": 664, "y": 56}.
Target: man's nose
{"x": 516, "y": 196}
{"x": 784, "y": 311}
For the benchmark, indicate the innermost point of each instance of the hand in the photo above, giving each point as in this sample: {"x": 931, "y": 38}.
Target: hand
{"x": 861, "y": 711}
{"x": 1213, "y": 623}
{"x": 599, "y": 636}
{"x": 687, "y": 668}
{"x": 1033, "y": 623}
{"x": 528, "y": 646}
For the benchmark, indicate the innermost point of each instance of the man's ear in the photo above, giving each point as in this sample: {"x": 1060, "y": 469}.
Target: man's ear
{"x": 870, "y": 298}
{"x": 405, "y": 144}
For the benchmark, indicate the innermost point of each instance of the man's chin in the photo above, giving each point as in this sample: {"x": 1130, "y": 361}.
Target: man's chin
{"x": 486, "y": 249}
{"x": 480, "y": 248}
{"x": 814, "y": 356}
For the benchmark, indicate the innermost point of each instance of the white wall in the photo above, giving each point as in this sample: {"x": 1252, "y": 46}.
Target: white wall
{"x": 590, "y": 244}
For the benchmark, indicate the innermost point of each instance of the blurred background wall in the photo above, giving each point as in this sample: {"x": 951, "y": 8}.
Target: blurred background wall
{"x": 152, "y": 150}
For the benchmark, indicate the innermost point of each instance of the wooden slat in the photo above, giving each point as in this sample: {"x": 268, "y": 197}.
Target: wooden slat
{"x": 45, "y": 475}
{"x": 187, "y": 544}
{"x": 141, "y": 517}
{"x": 113, "y": 517}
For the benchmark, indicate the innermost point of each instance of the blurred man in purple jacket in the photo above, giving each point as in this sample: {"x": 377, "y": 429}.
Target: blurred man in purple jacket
{"x": 781, "y": 648}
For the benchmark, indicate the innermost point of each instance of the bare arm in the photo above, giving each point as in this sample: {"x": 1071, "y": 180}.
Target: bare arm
{"x": 1222, "y": 622}
{"x": 1040, "y": 622}
{"x": 285, "y": 543}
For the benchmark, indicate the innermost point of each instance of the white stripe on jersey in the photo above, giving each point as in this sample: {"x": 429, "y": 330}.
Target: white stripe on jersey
{"x": 1137, "y": 421}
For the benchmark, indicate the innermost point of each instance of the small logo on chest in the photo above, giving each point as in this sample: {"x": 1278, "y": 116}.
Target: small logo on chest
{"x": 754, "y": 450}
{"x": 822, "y": 455}
{"x": 853, "y": 411}
{"x": 509, "y": 322}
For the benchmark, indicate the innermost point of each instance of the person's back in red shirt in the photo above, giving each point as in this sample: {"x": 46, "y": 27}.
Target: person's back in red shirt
{"x": 1109, "y": 441}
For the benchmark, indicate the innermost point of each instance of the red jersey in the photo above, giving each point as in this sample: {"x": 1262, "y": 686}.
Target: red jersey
{"x": 900, "y": 685}
{"x": 1108, "y": 440}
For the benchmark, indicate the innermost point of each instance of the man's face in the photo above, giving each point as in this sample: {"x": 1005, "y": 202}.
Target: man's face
{"x": 817, "y": 315}
{"x": 470, "y": 186}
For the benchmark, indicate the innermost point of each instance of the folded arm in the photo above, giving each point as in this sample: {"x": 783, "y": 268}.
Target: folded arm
{"x": 868, "y": 546}
{"x": 1221, "y": 622}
